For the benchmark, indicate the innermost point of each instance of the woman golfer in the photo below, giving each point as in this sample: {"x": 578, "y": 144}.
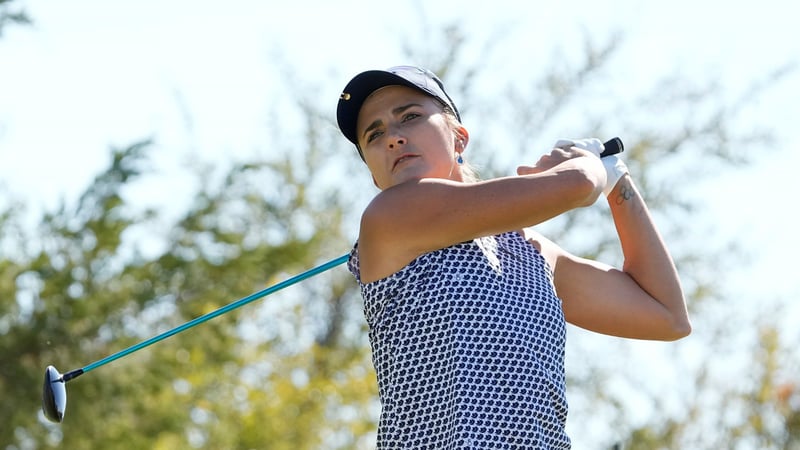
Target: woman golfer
{"x": 466, "y": 304}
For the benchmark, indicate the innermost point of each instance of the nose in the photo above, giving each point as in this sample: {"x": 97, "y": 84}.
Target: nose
{"x": 396, "y": 140}
{"x": 399, "y": 142}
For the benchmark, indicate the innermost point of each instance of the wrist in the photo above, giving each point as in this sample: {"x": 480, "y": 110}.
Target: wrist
{"x": 615, "y": 170}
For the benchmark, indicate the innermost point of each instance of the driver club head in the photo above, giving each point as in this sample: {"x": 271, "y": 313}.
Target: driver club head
{"x": 54, "y": 395}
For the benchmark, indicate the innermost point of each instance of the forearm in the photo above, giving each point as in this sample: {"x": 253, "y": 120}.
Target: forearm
{"x": 450, "y": 212}
{"x": 647, "y": 260}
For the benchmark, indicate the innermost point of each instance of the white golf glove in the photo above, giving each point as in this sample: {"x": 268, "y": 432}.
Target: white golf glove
{"x": 591, "y": 144}
{"x": 615, "y": 169}
{"x": 615, "y": 166}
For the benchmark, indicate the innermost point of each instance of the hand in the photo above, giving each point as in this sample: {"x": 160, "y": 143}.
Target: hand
{"x": 614, "y": 165}
{"x": 556, "y": 156}
{"x": 593, "y": 145}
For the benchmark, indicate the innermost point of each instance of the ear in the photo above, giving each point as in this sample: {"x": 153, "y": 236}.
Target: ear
{"x": 462, "y": 137}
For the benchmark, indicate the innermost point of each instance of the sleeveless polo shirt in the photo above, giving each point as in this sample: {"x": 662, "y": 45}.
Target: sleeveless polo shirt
{"x": 468, "y": 346}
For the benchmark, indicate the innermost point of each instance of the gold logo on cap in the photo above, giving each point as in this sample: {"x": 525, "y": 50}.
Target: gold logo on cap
{"x": 344, "y": 96}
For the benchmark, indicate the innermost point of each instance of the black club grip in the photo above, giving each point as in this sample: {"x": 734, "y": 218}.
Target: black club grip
{"x": 612, "y": 147}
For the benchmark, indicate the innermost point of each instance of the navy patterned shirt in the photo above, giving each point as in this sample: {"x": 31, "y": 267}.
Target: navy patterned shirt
{"x": 468, "y": 346}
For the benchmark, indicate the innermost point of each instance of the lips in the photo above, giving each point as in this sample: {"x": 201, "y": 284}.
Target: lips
{"x": 402, "y": 159}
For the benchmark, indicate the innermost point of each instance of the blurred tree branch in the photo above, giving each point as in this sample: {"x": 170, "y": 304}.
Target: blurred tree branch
{"x": 9, "y": 15}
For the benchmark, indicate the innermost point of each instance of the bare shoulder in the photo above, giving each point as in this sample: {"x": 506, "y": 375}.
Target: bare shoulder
{"x": 387, "y": 234}
{"x": 549, "y": 250}
{"x": 410, "y": 219}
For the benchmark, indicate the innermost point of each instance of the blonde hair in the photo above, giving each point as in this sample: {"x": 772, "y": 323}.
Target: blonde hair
{"x": 468, "y": 173}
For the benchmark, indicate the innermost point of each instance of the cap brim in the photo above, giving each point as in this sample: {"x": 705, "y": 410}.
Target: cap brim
{"x": 357, "y": 91}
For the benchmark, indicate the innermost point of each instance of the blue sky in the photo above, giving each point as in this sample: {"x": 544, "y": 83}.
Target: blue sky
{"x": 196, "y": 76}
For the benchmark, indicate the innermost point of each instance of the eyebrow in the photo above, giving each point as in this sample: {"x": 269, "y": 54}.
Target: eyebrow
{"x": 395, "y": 112}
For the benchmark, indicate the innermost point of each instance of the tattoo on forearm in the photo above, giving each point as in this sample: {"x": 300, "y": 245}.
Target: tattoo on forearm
{"x": 625, "y": 193}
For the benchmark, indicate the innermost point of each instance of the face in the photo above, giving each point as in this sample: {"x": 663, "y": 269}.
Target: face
{"x": 405, "y": 135}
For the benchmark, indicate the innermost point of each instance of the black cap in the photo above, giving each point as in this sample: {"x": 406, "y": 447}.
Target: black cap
{"x": 365, "y": 83}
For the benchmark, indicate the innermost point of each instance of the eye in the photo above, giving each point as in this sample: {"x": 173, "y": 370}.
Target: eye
{"x": 374, "y": 135}
{"x": 410, "y": 116}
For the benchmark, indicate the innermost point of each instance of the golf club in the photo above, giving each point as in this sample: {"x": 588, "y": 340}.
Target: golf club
{"x": 54, "y": 391}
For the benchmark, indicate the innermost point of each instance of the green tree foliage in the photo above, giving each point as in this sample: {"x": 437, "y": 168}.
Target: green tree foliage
{"x": 759, "y": 408}
{"x": 239, "y": 381}
{"x": 293, "y": 371}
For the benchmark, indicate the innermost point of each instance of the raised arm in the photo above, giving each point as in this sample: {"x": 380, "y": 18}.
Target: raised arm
{"x": 644, "y": 299}
{"x": 422, "y": 215}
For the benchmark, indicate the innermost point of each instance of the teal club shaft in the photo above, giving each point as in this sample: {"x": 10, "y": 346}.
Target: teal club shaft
{"x": 206, "y": 317}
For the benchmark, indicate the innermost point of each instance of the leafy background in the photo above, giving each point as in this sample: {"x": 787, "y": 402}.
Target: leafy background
{"x": 136, "y": 250}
